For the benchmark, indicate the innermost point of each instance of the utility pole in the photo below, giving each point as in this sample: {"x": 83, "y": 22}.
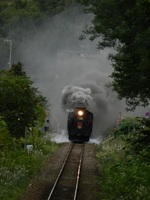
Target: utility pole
{"x": 134, "y": 121}
{"x": 10, "y": 51}
{"x": 25, "y": 138}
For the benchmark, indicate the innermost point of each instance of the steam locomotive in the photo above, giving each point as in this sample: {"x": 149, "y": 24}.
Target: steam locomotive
{"x": 79, "y": 125}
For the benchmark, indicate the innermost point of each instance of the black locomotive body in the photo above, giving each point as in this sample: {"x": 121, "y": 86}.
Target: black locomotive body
{"x": 80, "y": 124}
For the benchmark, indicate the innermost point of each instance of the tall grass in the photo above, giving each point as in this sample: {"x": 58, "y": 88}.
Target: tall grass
{"x": 124, "y": 175}
{"x": 18, "y": 167}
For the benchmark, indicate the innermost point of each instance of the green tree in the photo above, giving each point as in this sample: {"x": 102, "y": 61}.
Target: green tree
{"x": 125, "y": 26}
{"x": 19, "y": 4}
{"x": 19, "y": 14}
{"x": 129, "y": 125}
{"x": 20, "y": 102}
{"x": 52, "y": 7}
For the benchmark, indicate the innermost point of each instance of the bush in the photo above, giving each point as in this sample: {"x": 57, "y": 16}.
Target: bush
{"x": 18, "y": 167}
{"x": 124, "y": 175}
{"x": 4, "y": 134}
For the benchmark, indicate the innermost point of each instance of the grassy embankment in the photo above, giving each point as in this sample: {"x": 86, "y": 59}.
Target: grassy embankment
{"x": 125, "y": 167}
{"x": 18, "y": 167}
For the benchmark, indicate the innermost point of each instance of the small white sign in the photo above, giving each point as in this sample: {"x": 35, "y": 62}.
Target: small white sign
{"x": 29, "y": 147}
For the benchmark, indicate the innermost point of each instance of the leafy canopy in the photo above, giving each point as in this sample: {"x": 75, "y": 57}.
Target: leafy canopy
{"x": 125, "y": 26}
{"x": 20, "y": 102}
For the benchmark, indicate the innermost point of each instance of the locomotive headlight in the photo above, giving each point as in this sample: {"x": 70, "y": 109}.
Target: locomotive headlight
{"x": 80, "y": 113}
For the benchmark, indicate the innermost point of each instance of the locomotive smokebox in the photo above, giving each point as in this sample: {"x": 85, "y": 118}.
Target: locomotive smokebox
{"x": 80, "y": 124}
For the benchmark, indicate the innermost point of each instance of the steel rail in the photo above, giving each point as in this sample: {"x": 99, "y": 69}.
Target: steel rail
{"x": 60, "y": 172}
{"x": 78, "y": 174}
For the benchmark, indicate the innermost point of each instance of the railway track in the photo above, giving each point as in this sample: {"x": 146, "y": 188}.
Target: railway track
{"x": 76, "y": 165}
{"x": 67, "y": 182}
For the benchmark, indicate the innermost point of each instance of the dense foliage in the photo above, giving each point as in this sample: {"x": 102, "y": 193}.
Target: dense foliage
{"x": 129, "y": 124}
{"x": 24, "y": 14}
{"x": 18, "y": 166}
{"x": 4, "y": 133}
{"x": 124, "y": 165}
{"x": 22, "y": 114}
{"x": 21, "y": 105}
{"x": 124, "y": 25}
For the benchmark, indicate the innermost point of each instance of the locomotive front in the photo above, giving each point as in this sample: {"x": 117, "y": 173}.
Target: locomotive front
{"x": 80, "y": 123}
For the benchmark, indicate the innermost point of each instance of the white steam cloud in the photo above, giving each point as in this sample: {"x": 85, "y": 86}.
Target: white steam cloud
{"x": 74, "y": 96}
{"x": 92, "y": 91}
